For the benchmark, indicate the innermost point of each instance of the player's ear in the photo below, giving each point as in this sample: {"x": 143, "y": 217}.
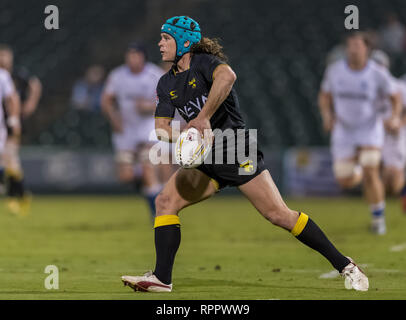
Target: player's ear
{"x": 186, "y": 44}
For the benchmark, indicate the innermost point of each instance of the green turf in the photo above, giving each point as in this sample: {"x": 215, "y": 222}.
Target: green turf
{"x": 228, "y": 251}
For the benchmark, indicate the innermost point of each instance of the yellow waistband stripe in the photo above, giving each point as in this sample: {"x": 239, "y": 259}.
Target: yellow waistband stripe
{"x": 16, "y": 174}
{"x": 166, "y": 220}
{"x": 215, "y": 184}
{"x": 300, "y": 224}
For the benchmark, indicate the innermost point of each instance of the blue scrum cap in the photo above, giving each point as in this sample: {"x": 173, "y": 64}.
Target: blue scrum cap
{"x": 182, "y": 29}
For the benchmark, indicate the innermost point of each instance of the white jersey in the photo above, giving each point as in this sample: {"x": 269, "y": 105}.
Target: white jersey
{"x": 384, "y": 105}
{"x": 6, "y": 89}
{"x": 394, "y": 149}
{"x": 127, "y": 87}
{"x": 355, "y": 93}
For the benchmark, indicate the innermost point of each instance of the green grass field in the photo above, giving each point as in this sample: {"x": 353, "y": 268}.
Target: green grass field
{"x": 228, "y": 250}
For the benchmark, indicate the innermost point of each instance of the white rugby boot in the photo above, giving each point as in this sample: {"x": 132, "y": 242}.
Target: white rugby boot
{"x": 378, "y": 225}
{"x": 355, "y": 278}
{"x": 146, "y": 283}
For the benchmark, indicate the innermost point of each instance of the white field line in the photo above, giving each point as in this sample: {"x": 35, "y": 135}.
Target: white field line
{"x": 330, "y": 275}
{"x": 398, "y": 247}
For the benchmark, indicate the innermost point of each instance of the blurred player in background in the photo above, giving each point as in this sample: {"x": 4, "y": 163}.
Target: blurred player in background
{"x": 200, "y": 86}
{"x": 394, "y": 148}
{"x": 349, "y": 93}
{"x": 29, "y": 89}
{"x": 129, "y": 102}
{"x": 11, "y": 101}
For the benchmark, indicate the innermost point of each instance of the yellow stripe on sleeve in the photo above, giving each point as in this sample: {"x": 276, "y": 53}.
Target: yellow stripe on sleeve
{"x": 300, "y": 224}
{"x": 164, "y": 118}
{"x": 166, "y": 220}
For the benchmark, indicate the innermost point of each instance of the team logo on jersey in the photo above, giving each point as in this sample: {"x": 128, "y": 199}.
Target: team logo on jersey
{"x": 247, "y": 165}
{"x": 193, "y": 107}
{"x": 192, "y": 83}
{"x": 173, "y": 94}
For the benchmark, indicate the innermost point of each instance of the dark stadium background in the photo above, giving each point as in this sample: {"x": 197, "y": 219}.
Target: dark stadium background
{"x": 277, "y": 48}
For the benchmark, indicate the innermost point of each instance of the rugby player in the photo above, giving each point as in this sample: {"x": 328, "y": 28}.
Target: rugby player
{"x": 29, "y": 89}
{"x": 9, "y": 96}
{"x": 201, "y": 76}
{"x": 394, "y": 147}
{"x": 349, "y": 93}
{"x": 133, "y": 87}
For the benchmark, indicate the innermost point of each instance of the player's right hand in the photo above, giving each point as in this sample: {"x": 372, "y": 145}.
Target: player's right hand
{"x": 14, "y": 123}
{"x": 328, "y": 123}
{"x": 117, "y": 127}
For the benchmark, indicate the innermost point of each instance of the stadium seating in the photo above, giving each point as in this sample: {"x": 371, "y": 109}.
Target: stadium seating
{"x": 277, "y": 48}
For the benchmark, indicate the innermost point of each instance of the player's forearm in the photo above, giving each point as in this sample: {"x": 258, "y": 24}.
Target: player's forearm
{"x": 111, "y": 114}
{"x": 30, "y": 105}
{"x": 164, "y": 130}
{"x": 220, "y": 89}
{"x": 107, "y": 106}
{"x": 13, "y": 105}
{"x": 34, "y": 95}
{"x": 146, "y": 107}
{"x": 324, "y": 105}
{"x": 396, "y": 101}
{"x": 13, "y": 110}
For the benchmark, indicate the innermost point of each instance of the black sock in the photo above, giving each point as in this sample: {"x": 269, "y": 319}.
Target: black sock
{"x": 403, "y": 191}
{"x": 167, "y": 241}
{"x": 15, "y": 187}
{"x": 313, "y": 237}
{"x": 2, "y": 176}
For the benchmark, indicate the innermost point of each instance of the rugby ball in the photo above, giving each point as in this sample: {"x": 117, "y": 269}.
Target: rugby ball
{"x": 191, "y": 148}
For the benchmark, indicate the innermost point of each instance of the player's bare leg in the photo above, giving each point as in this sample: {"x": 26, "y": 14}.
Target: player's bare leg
{"x": 265, "y": 197}
{"x": 18, "y": 200}
{"x": 185, "y": 187}
{"x": 394, "y": 180}
{"x": 125, "y": 172}
{"x": 373, "y": 188}
{"x": 395, "y": 183}
{"x": 151, "y": 184}
{"x": 2, "y": 176}
{"x": 165, "y": 171}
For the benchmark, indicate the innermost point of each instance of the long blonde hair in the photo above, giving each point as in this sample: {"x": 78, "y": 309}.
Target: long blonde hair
{"x": 210, "y": 46}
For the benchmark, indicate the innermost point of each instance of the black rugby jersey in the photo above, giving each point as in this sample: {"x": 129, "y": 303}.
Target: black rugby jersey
{"x": 188, "y": 91}
{"x": 21, "y": 77}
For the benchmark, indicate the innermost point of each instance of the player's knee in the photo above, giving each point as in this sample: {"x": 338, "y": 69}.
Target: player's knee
{"x": 346, "y": 173}
{"x": 370, "y": 158}
{"x": 344, "y": 169}
{"x": 165, "y": 204}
